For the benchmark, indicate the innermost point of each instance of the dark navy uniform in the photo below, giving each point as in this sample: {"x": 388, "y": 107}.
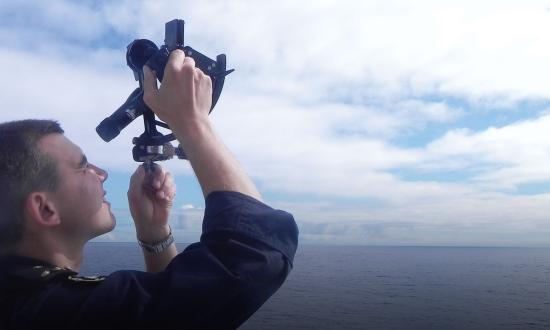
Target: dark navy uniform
{"x": 244, "y": 255}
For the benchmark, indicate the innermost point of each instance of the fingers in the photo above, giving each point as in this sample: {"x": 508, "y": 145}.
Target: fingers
{"x": 150, "y": 88}
{"x": 168, "y": 189}
{"x": 185, "y": 91}
{"x": 136, "y": 182}
{"x": 179, "y": 65}
{"x": 189, "y": 61}
{"x": 176, "y": 57}
{"x": 137, "y": 178}
{"x": 160, "y": 184}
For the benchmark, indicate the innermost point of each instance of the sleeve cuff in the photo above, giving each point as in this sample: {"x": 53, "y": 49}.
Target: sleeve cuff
{"x": 236, "y": 213}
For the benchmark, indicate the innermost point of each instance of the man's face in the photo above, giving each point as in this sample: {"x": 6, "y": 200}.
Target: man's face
{"x": 79, "y": 198}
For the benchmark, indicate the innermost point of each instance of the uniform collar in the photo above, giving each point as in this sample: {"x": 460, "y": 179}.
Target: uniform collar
{"x": 25, "y": 268}
{"x": 8, "y": 262}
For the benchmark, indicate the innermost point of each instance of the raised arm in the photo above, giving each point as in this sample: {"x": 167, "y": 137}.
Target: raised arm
{"x": 183, "y": 101}
{"x": 246, "y": 249}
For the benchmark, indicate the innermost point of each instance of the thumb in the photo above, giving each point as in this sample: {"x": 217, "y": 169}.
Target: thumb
{"x": 136, "y": 182}
{"x": 150, "y": 89}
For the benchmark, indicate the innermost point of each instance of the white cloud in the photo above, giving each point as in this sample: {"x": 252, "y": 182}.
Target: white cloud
{"x": 480, "y": 219}
{"x": 491, "y": 51}
{"x": 321, "y": 92}
{"x": 519, "y": 153}
{"x": 469, "y": 49}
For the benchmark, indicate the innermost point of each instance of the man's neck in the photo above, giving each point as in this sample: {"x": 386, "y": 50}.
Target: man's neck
{"x": 52, "y": 252}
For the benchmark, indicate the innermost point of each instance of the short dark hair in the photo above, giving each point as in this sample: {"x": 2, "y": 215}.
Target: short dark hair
{"x": 23, "y": 169}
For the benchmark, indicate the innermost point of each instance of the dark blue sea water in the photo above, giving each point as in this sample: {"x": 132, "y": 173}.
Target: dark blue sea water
{"x": 358, "y": 287}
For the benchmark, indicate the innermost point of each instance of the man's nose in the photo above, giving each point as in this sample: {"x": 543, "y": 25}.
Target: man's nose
{"x": 100, "y": 172}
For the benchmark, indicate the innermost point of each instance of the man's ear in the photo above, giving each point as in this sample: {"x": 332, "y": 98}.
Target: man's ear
{"x": 41, "y": 210}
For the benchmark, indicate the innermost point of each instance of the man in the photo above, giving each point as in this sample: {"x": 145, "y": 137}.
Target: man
{"x": 52, "y": 202}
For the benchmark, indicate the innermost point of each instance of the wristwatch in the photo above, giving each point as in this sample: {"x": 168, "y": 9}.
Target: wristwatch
{"x": 158, "y": 247}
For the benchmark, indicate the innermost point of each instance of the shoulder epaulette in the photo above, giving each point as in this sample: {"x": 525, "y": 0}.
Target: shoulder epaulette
{"x": 43, "y": 273}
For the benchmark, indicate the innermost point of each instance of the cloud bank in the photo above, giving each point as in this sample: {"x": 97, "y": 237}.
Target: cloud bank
{"x": 373, "y": 122}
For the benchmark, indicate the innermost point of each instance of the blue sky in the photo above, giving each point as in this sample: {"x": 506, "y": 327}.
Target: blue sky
{"x": 373, "y": 122}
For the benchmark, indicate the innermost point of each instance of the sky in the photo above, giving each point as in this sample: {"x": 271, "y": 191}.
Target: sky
{"x": 372, "y": 122}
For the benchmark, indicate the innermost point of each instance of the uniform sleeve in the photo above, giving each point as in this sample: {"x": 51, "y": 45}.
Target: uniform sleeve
{"x": 245, "y": 253}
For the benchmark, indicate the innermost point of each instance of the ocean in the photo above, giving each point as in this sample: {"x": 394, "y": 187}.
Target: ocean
{"x": 363, "y": 287}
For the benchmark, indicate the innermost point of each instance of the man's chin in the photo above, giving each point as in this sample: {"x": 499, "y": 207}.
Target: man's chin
{"x": 109, "y": 221}
{"x": 110, "y": 215}
{"x": 113, "y": 221}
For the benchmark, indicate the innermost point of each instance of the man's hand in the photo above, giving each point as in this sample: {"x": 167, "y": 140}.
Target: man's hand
{"x": 185, "y": 95}
{"x": 183, "y": 102}
{"x": 150, "y": 197}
